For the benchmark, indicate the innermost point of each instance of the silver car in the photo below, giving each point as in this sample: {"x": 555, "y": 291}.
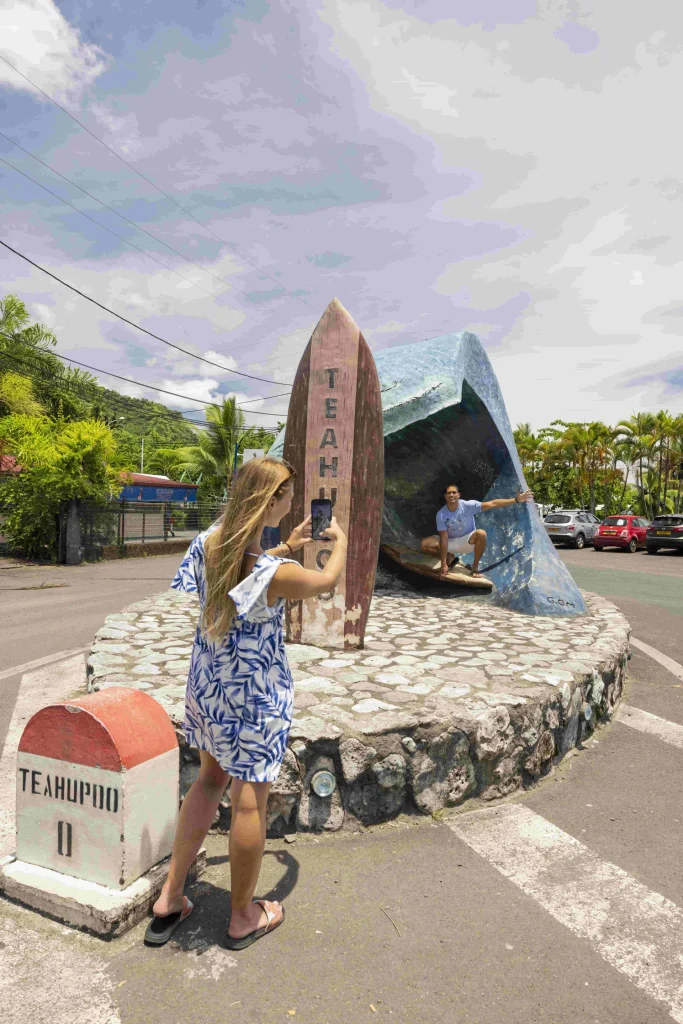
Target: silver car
{"x": 571, "y": 526}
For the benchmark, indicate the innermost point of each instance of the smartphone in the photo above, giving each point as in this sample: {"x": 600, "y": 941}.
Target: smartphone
{"x": 321, "y": 517}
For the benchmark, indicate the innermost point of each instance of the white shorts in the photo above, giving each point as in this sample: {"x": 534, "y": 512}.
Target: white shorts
{"x": 460, "y": 545}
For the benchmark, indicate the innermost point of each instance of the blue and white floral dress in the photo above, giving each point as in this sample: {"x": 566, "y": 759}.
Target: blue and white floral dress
{"x": 238, "y": 705}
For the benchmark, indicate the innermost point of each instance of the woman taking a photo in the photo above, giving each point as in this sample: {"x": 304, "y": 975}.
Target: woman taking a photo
{"x": 238, "y": 707}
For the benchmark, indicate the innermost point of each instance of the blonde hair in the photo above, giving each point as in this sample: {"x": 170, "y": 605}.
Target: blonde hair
{"x": 257, "y": 483}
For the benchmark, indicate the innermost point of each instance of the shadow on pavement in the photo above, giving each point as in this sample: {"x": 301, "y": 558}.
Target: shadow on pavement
{"x": 209, "y": 920}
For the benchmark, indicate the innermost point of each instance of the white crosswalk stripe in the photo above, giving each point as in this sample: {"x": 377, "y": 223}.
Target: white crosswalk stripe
{"x": 29, "y": 666}
{"x": 636, "y": 930}
{"x": 669, "y": 732}
{"x": 663, "y": 659}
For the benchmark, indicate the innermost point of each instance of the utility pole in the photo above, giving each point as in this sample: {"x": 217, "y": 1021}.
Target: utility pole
{"x": 142, "y": 455}
{"x": 234, "y": 464}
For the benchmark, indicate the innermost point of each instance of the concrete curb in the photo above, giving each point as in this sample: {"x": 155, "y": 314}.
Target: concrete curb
{"x": 106, "y": 913}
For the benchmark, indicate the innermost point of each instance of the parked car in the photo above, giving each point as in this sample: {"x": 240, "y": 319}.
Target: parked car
{"x": 665, "y": 532}
{"x": 624, "y": 531}
{"x": 571, "y": 526}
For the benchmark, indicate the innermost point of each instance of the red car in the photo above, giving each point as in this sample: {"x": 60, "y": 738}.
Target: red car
{"x": 625, "y": 531}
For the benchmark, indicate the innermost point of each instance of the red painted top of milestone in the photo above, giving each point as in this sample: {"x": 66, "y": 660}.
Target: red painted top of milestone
{"x": 114, "y": 729}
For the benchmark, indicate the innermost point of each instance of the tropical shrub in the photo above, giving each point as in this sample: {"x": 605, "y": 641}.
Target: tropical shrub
{"x": 59, "y": 460}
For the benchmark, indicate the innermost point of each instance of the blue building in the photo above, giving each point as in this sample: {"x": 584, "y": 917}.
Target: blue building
{"x": 145, "y": 487}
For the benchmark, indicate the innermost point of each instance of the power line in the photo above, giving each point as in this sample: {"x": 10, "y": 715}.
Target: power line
{"x": 138, "y": 227}
{"x": 153, "y": 184}
{"x": 151, "y": 334}
{"x": 79, "y": 391}
{"x": 83, "y": 388}
{"x": 133, "y": 223}
{"x": 151, "y": 387}
{"x": 142, "y": 384}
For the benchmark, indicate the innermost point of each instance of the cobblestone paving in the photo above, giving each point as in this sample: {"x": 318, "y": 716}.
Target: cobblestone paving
{"x": 449, "y": 698}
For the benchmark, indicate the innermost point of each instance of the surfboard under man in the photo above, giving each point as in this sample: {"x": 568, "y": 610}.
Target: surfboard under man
{"x": 457, "y": 531}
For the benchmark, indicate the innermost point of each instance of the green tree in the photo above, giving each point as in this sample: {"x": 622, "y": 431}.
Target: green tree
{"x": 59, "y": 460}
{"x": 15, "y": 322}
{"x": 637, "y": 434}
{"x": 664, "y": 434}
{"x": 530, "y": 451}
{"x": 211, "y": 460}
{"x": 677, "y": 461}
{"x": 16, "y": 396}
{"x": 168, "y": 462}
{"x": 257, "y": 437}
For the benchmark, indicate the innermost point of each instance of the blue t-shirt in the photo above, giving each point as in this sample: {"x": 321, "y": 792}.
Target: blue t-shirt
{"x": 461, "y": 522}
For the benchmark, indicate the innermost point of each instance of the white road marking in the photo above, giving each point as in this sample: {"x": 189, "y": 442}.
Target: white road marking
{"x": 670, "y": 732}
{"x": 28, "y": 666}
{"x": 636, "y": 930}
{"x": 663, "y": 659}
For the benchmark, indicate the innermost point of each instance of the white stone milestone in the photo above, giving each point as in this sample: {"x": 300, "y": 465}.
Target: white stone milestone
{"x": 97, "y": 787}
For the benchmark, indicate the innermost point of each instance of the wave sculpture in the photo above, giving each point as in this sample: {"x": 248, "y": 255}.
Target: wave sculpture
{"x": 445, "y": 422}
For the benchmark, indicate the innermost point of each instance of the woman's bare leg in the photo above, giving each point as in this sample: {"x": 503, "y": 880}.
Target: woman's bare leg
{"x": 247, "y": 840}
{"x": 195, "y": 819}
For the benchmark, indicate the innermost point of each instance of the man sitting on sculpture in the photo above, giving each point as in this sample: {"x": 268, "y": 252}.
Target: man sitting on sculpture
{"x": 457, "y": 531}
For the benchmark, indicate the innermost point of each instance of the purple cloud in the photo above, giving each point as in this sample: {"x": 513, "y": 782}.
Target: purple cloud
{"x": 579, "y": 38}
{"x": 487, "y": 13}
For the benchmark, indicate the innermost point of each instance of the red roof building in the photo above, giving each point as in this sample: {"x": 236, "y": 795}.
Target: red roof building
{"x": 149, "y": 480}
{"x": 8, "y": 464}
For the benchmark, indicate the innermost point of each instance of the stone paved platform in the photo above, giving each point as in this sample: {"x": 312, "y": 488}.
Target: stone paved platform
{"x": 450, "y": 698}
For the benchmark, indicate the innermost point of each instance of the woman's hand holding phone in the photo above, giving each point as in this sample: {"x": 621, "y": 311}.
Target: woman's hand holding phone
{"x": 334, "y": 532}
{"x": 294, "y": 582}
{"x": 300, "y": 535}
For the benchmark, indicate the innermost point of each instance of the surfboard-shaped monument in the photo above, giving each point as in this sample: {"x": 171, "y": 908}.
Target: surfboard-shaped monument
{"x": 428, "y": 565}
{"x": 334, "y": 439}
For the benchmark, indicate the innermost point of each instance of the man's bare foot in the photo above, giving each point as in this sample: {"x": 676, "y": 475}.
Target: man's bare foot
{"x": 254, "y": 917}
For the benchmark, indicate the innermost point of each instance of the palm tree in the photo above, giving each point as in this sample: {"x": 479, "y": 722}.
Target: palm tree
{"x": 665, "y": 430}
{"x": 14, "y": 321}
{"x": 677, "y": 458}
{"x": 622, "y": 453}
{"x": 529, "y": 447}
{"x": 588, "y": 447}
{"x": 557, "y": 465}
{"x": 637, "y": 434}
{"x": 166, "y": 461}
{"x": 211, "y": 461}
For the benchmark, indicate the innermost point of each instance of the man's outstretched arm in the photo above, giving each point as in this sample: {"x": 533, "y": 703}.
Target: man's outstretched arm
{"x": 502, "y": 502}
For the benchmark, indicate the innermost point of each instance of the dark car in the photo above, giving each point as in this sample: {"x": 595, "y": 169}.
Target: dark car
{"x": 624, "y": 531}
{"x": 665, "y": 532}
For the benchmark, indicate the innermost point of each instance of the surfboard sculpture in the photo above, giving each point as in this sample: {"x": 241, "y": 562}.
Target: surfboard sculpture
{"x": 428, "y": 565}
{"x": 334, "y": 440}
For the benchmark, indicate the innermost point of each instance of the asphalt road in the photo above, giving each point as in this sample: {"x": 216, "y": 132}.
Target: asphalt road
{"x": 45, "y": 609}
{"x": 562, "y": 905}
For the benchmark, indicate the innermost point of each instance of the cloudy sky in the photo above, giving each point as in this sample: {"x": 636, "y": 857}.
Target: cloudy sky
{"x": 507, "y": 167}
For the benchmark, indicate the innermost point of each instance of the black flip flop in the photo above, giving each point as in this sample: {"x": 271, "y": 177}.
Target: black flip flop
{"x": 160, "y": 929}
{"x": 247, "y": 940}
